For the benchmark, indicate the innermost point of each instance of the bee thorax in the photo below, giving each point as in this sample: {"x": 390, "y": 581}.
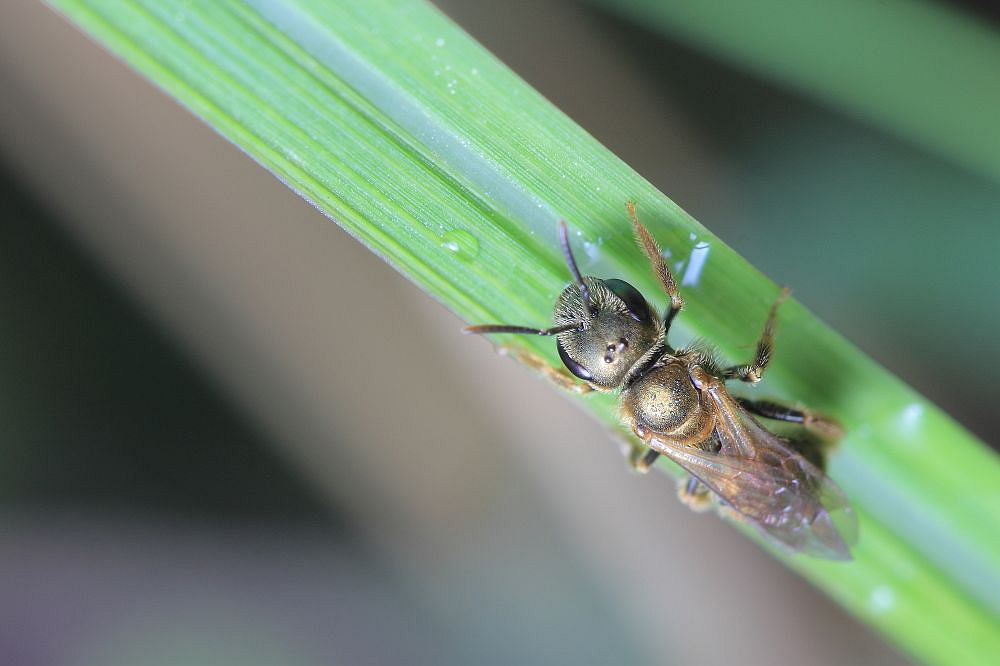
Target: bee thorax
{"x": 665, "y": 402}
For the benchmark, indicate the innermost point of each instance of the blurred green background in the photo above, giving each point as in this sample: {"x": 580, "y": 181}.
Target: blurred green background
{"x": 190, "y": 385}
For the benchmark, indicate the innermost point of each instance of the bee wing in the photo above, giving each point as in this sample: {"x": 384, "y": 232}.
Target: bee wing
{"x": 770, "y": 485}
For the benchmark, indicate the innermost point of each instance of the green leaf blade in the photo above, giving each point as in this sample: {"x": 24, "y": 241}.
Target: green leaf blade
{"x": 403, "y": 130}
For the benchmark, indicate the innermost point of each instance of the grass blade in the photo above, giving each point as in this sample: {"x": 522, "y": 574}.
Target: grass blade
{"x": 397, "y": 125}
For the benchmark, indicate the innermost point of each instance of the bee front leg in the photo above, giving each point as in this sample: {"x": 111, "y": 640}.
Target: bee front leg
{"x": 652, "y": 250}
{"x": 561, "y": 379}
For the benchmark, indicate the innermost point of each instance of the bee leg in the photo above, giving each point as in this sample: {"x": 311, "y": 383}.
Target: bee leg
{"x": 754, "y": 370}
{"x": 694, "y": 494}
{"x": 641, "y": 459}
{"x": 820, "y": 425}
{"x": 731, "y": 514}
{"x": 663, "y": 274}
{"x": 561, "y": 379}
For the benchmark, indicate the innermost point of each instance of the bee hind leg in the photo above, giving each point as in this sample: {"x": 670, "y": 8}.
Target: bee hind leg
{"x": 694, "y": 494}
{"x": 820, "y": 432}
{"x": 822, "y": 426}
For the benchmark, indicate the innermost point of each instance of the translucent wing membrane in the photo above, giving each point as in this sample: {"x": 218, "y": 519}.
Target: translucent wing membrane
{"x": 768, "y": 484}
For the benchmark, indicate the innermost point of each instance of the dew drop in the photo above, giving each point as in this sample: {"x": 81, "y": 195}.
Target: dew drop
{"x": 699, "y": 255}
{"x": 461, "y": 243}
{"x": 910, "y": 417}
{"x": 439, "y": 41}
{"x": 881, "y": 599}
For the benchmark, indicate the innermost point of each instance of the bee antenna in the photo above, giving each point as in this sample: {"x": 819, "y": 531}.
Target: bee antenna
{"x": 520, "y": 330}
{"x": 571, "y": 262}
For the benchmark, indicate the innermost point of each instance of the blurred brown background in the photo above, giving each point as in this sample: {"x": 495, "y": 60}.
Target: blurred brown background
{"x": 230, "y": 435}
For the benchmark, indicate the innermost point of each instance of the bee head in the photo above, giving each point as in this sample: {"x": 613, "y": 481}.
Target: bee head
{"x": 603, "y": 327}
{"x": 615, "y": 328}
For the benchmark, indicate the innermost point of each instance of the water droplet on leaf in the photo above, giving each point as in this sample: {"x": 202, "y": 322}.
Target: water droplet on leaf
{"x": 461, "y": 243}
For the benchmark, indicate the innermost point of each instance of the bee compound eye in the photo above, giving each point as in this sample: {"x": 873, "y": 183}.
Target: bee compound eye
{"x": 634, "y": 302}
{"x": 572, "y": 365}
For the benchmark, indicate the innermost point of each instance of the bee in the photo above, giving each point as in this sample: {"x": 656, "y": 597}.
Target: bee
{"x": 610, "y": 338}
